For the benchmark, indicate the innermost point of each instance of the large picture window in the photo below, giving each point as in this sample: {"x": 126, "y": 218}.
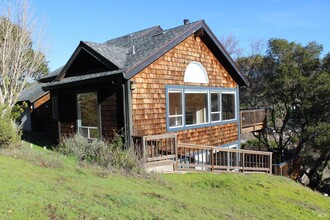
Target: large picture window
{"x": 189, "y": 107}
{"x": 196, "y": 107}
{"x": 88, "y": 117}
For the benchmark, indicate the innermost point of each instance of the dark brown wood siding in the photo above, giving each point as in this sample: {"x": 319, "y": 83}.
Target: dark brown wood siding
{"x": 111, "y": 108}
{"x": 149, "y": 98}
{"x": 67, "y": 113}
{"x": 112, "y": 115}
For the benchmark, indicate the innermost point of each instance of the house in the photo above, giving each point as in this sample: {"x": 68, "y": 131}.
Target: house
{"x": 150, "y": 82}
{"x": 38, "y": 114}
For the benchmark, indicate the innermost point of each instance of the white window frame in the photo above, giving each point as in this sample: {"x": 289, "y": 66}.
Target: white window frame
{"x": 196, "y": 73}
{"x": 182, "y": 109}
{"x": 89, "y": 128}
{"x": 235, "y": 104}
{"x": 218, "y": 92}
{"x": 205, "y": 112}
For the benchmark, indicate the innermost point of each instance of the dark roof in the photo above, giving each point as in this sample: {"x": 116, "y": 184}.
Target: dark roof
{"x": 133, "y": 52}
{"x": 32, "y": 93}
{"x": 115, "y": 54}
{"x": 51, "y": 76}
{"x": 80, "y": 80}
{"x": 129, "y": 39}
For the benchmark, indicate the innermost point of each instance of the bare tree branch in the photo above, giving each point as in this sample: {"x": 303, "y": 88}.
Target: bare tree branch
{"x": 22, "y": 60}
{"x": 231, "y": 44}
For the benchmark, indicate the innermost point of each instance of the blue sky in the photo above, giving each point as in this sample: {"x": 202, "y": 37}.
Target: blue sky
{"x": 68, "y": 22}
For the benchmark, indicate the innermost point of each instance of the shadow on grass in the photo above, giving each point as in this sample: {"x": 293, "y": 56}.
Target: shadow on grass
{"x": 42, "y": 139}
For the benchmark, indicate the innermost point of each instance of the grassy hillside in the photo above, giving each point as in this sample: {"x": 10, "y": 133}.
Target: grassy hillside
{"x": 55, "y": 187}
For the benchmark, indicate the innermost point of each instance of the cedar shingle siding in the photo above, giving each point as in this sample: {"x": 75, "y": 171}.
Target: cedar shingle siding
{"x": 149, "y": 99}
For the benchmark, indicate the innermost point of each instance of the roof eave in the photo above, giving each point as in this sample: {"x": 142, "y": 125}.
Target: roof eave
{"x": 81, "y": 82}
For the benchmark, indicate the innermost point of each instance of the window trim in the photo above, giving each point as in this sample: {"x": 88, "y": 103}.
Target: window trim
{"x": 208, "y": 90}
{"x": 225, "y": 91}
{"x": 79, "y": 125}
{"x": 196, "y": 91}
{"x": 196, "y": 69}
{"x": 218, "y": 92}
{"x": 168, "y": 116}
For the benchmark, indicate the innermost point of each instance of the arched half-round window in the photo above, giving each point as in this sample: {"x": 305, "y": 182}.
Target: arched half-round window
{"x": 196, "y": 73}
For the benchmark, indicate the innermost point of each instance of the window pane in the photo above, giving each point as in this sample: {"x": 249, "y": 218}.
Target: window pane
{"x": 175, "y": 121}
{"x": 215, "y": 107}
{"x": 93, "y": 133}
{"x": 83, "y": 132}
{"x": 87, "y": 109}
{"x": 196, "y": 108}
{"x": 175, "y": 103}
{"x": 215, "y": 116}
{"x": 228, "y": 106}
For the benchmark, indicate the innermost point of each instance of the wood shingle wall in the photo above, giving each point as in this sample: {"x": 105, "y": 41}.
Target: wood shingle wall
{"x": 149, "y": 97}
{"x": 111, "y": 103}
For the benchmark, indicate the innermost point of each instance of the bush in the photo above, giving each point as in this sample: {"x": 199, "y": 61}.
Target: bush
{"x": 105, "y": 154}
{"x": 9, "y": 133}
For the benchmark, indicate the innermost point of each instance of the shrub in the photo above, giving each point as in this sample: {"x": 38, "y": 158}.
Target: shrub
{"x": 105, "y": 154}
{"x": 9, "y": 133}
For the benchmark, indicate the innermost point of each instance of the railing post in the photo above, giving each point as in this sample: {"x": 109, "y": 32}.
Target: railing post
{"x": 144, "y": 149}
{"x": 241, "y": 124}
{"x": 270, "y": 163}
{"x": 175, "y": 168}
{"x": 243, "y": 165}
{"x": 212, "y": 159}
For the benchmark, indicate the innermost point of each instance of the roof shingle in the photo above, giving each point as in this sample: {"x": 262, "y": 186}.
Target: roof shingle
{"x": 132, "y": 52}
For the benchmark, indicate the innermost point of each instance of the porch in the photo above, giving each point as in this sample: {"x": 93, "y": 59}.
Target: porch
{"x": 253, "y": 120}
{"x": 164, "y": 150}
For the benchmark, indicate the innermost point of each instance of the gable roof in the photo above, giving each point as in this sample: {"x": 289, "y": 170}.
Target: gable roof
{"x": 35, "y": 91}
{"x": 32, "y": 93}
{"x": 51, "y": 76}
{"x": 133, "y": 52}
{"x": 115, "y": 54}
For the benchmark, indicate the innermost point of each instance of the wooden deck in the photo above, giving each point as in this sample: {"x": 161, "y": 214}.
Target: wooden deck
{"x": 192, "y": 157}
{"x": 208, "y": 158}
{"x": 253, "y": 120}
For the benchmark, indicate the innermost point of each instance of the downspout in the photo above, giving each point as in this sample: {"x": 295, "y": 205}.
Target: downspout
{"x": 238, "y": 117}
{"x": 127, "y": 113}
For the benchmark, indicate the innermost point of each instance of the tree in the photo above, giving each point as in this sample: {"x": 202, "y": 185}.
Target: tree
{"x": 21, "y": 59}
{"x": 231, "y": 44}
{"x": 293, "y": 81}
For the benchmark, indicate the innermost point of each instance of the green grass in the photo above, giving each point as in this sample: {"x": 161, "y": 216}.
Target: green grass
{"x": 31, "y": 190}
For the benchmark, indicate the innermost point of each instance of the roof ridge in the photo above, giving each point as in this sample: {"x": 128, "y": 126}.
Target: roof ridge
{"x": 136, "y": 34}
{"x": 185, "y": 25}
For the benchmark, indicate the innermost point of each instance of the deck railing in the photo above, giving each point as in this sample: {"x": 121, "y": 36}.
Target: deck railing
{"x": 253, "y": 120}
{"x": 156, "y": 147}
{"x": 207, "y": 158}
{"x": 192, "y": 157}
